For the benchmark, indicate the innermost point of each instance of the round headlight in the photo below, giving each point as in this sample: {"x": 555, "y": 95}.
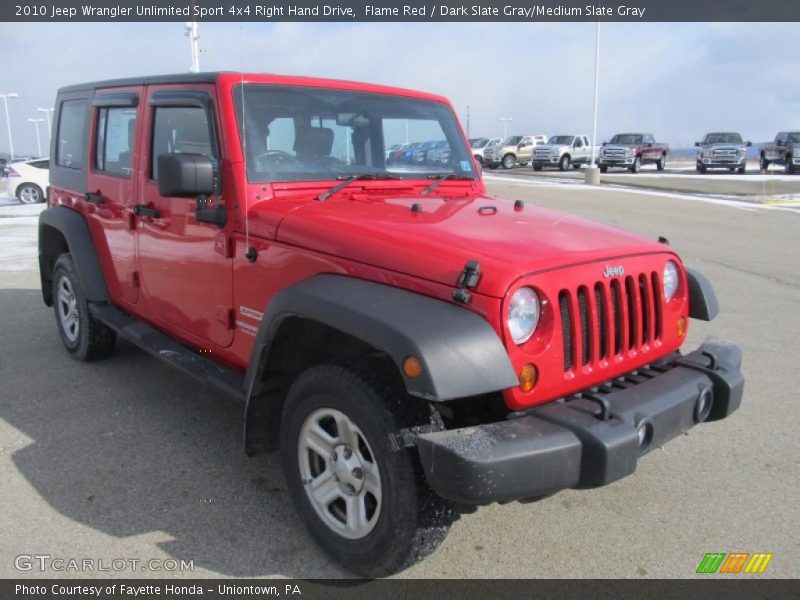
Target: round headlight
{"x": 523, "y": 315}
{"x": 670, "y": 280}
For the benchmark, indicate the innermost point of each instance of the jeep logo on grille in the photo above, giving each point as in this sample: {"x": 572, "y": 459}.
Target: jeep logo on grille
{"x": 614, "y": 271}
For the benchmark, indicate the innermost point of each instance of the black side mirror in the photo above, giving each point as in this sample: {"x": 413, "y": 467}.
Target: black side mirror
{"x": 186, "y": 175}
{"x": 605, "y": 144}
{"x": 749, "y": 143}
{"x": 698, "y": 144}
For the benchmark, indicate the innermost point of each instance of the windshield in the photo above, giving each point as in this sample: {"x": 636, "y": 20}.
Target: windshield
{"x": 794, "y": 137}
{"x": 314, "y": 134}
{"x": 626, "y": 138}
{"x": 723, "y": 138}
{"x": 561, "y": 140}
{"x": 513, "y": 140}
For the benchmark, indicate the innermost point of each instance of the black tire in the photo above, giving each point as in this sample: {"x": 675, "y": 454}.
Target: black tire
{"x": 662, "y": 163}
{"x": 90, "y": 339}
{"x": 637, "y": 165}
{"x": 732, "y": 169}
{"x": 492, "y": 167}
{"x": 603, "y": 169}
{"x": 563, "y": 163}
{"x": 701, "y": 168}
{"x": 412, "y": 520}
{"x": 788, "y": 165}
{"x": 30, "y": 193}
{"x": 576, "y": 166}
{"x": 741, "y": 170}
{"x": 763, "y": 163}
{"x": 509, "y": 161}
{"x": 537, "y": 166}
{"x": 478, "y": 158}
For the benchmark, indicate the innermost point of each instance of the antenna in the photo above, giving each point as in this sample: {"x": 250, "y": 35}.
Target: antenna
{"x": 250, "y": 253}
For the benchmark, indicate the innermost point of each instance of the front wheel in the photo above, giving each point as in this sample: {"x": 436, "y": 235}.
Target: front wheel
{"x": 789, "y": 165}
{"x": 637, "y": 165}
{"x": 509, "y": 161}
{"x": 84, "y": 337}
{"x": 537, "y": 166}
{"x": 364, "y": 501}
{"x": 563, "y": 164}
{"x": 30, "y": 193}
{"x": 763, "y": 163}
{"x": 741, "y": 170}
{"x": 662, "y": 163}
{"x": 603, "y": 169}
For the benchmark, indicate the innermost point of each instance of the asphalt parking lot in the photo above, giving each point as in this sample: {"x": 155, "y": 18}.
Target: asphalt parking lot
{"x": 126, "y": 459}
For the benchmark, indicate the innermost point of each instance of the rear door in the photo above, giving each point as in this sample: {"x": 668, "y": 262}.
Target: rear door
{"x": 185, "y": 266}
{"x": 111, "y": 186}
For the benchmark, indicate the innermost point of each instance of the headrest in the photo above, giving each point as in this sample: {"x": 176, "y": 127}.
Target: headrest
{"x": 313, "y": 141}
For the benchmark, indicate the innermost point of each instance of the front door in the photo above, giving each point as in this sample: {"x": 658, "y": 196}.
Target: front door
{"x": 111, "y": 187}
{"x": 185, "y": 271}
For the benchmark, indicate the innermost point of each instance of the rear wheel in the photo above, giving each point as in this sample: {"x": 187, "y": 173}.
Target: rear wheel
{"x": 30, "y": 193}
{"x": 84, "y": 337}
{"x": 563, "y": 164}
{"x": 576, "y": 166}
{"x": 365, "y": 502}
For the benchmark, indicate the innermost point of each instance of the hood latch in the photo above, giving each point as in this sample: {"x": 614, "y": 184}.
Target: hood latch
{"x": 467, "y": 280}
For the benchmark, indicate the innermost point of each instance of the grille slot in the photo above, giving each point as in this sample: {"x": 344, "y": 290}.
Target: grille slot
{"x": 611, "y": 317}
{"x": 566, "y": 328}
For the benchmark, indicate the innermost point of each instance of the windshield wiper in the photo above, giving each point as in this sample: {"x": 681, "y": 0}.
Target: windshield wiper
{"x": 352, "y": 179}
{"x": 440, "y": 179}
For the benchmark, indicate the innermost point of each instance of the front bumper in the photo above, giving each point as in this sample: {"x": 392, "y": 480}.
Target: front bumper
{"x": 621, "y": 161}
{"x": 721, "y": 162}
{"x": 589, "y": 440}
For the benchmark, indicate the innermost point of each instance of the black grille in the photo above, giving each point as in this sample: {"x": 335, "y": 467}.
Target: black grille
{"x": 634, "y": 306}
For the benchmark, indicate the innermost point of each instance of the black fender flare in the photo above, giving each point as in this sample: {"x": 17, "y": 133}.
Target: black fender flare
{"x": 461, "y": 354}
{"x": 75, "y": 230}
{"x": 703, "y": 303}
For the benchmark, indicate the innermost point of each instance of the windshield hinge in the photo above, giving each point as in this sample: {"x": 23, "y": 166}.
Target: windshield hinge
{"x": 466, "y": 281}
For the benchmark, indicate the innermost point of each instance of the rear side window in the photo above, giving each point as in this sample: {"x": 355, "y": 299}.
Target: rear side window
{"x": 180, "y": 130}
{"x": 71, "y": 134}
{"x": 116, "y": 128}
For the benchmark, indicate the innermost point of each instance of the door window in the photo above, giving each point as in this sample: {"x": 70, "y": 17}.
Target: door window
{"x": 116, "y": 128}
{"x": 179, "y": 130}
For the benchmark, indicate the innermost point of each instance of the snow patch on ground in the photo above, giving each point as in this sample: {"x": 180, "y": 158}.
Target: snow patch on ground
{"x": 18, "y": 235}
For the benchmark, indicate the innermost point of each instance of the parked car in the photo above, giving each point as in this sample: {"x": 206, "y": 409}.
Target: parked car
{"x": 28, "y": 179}
{"x": 563, "y": 151}
{"x": 515, "y": 149}
{"x": 631, "y": 151}
{"x": 414, "y": 346}
{"x": 478, "y": 145}
{"x": 722, "y": 150}
{"x": 785, "y": 150}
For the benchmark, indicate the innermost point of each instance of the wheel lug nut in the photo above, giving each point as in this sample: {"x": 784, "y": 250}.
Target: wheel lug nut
{"x": 333, "y": 457}
{"x": 347, "y": 452}
{"x": 358, "y": 473}
{"x": 335, "y": 477}
{"x": 350, "y": 488}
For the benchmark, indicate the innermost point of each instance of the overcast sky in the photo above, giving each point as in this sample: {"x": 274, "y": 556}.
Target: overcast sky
{"x": 674, "y": 80}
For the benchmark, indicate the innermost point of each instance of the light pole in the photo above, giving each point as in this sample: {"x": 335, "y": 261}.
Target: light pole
{"x": 467, "y": 120}
{"x": 190, "y": 31}
{"x": 48, "y": 117}
{"x": 505, "y": 121}
{"x": 38, "y": 141}
{"x": 593, "y": 173}
{"x": 5, "y": 98}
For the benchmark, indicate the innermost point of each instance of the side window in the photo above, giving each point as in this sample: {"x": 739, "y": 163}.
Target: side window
{"x": 71, "y": 134}
{"x": 180, "y": 130}
{"x": 527, "y": 141}
{"x": 578, "y": 142}
{"x": 648, "y": 139}
{"x": 115, "y": 140}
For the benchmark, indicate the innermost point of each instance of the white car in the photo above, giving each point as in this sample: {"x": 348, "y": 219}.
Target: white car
{"x": 28, "y": 179}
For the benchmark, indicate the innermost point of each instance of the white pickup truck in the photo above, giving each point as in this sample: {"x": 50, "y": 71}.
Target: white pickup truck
{"x": 563, "y": 151}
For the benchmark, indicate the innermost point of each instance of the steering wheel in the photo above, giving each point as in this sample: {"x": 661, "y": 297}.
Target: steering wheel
{"x": 276, "y": 156}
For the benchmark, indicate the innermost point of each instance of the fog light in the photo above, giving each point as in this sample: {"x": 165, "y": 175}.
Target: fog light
{"x": 527, "y": 378}
{"x": 644, "y": 431}
{"x": 681, "y": 326}
{"x": 703, "y": 406}
{"x": 412, "y": 367}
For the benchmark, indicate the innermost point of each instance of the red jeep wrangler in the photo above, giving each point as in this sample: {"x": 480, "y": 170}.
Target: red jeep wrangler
{"x": 415, "y": 347}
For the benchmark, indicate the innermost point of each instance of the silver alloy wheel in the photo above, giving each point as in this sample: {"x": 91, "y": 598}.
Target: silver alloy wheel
{"x": 339, "y": 473}
{"x": 30, "y": 194}
{"x": 509, "y": 161}
{"x": 68, "y": 309}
